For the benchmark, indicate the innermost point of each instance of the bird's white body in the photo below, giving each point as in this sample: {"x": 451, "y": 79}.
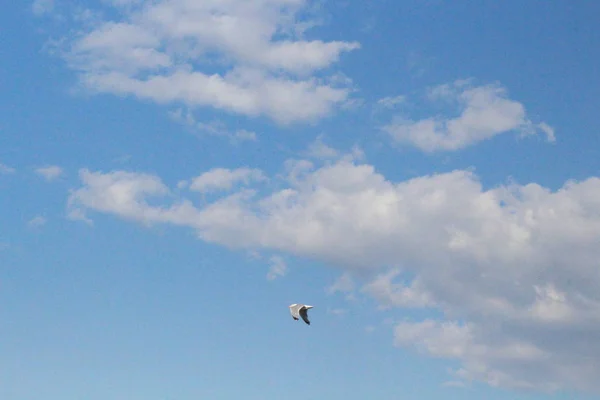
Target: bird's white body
{"x": 300, "y": 311}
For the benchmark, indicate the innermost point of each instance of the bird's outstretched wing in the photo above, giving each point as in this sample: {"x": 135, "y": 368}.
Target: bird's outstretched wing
{"x": 304, "y": 315}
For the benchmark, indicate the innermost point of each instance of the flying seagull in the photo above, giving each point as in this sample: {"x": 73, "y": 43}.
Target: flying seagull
{"x": 300, "y": 310}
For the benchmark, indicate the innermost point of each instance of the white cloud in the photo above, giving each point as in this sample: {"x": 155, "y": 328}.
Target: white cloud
{"x": 254, "y": 255}
{"x": 318, "y": 150}
{"x": 37, "y": 222}
{"x": 548, "y": 130}
{"x": 321, "y": 151}
{"x": 344, "y": 284}
{"x": 224, "y": 179}
{"x": 76, "y": 214}
{"x": 398, "y": 294}
{"x": 50, "y": 172}
{"x": 278, "y": 268}
{"x": 485, "y": 112}
{"x": 498, "y": 361}
{"x": 6, "y": 170}
{"x": 391, "y": 101}
{"x": 551, "y": 305}
{"x": 120, "y": 192}
{"x": 511, "y": 270}
{"x": 245, "y": 57}
{"x": 41, "y": 7}
{"x": 214, "y": 128}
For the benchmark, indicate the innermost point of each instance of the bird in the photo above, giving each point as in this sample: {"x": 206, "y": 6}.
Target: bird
{"x": 300, "y": 310}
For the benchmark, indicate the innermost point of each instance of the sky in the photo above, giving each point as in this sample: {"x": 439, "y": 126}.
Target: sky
{"x": 175, "y": 173}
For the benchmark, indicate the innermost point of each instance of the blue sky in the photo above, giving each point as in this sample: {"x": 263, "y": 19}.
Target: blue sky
{"x": 174, "y": 174}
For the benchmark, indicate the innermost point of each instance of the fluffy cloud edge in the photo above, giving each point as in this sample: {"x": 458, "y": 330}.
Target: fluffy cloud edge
{"x": 167, "y": 57}
{"x": 485, "y": 261}
{"x": 485, "y": 111}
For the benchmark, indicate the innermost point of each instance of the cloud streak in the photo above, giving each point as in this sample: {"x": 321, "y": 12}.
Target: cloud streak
{"x": 6, "y": 170}
{"x": 50, "y": 172}
{"x": 37, "y": 222}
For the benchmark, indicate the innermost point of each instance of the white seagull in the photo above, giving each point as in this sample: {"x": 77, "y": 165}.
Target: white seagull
{"x": 300, "y": 310}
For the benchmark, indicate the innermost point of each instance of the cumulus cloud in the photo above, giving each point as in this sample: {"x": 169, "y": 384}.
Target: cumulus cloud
{"x": 485, "y": 112}
{"x": 277, "y": 269}
{"x": 511, "y": 270}
{"x": 238, "y": 56}
{"x": 50, "y": 172}
{"x": 224, "y": 179}
{"x": 121, "y": 192}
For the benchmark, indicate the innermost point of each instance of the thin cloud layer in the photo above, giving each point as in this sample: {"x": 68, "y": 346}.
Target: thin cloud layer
{"x": 215, "y": 128}
{"x": 50, "y": 172}
{"x": 41, "y": 7}
{"x": 6, "y": 170}
{"x": 485, "y": 112}
{"x": 512, "y": 269}
{"x": 278, "y": 268}
{"x": 244, "y": 57}
{"x": 37, "y": 222}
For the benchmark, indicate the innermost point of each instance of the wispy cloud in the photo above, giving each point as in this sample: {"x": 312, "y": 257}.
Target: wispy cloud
{"x": 78, "y": 215}
{"x": 41, "y": 7}
{"x": 37, "y": 222}
{"x": 455, "y": 384}
{"x": 214, "y": 128}
{"x": 50, "y": 172}
{"x": 391, "y": 102}
{"x": 277, "y": 269}
{"x": 344, "y": 284}
{"x": 337, "y": 311}
{"x": 6, "y": 170}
